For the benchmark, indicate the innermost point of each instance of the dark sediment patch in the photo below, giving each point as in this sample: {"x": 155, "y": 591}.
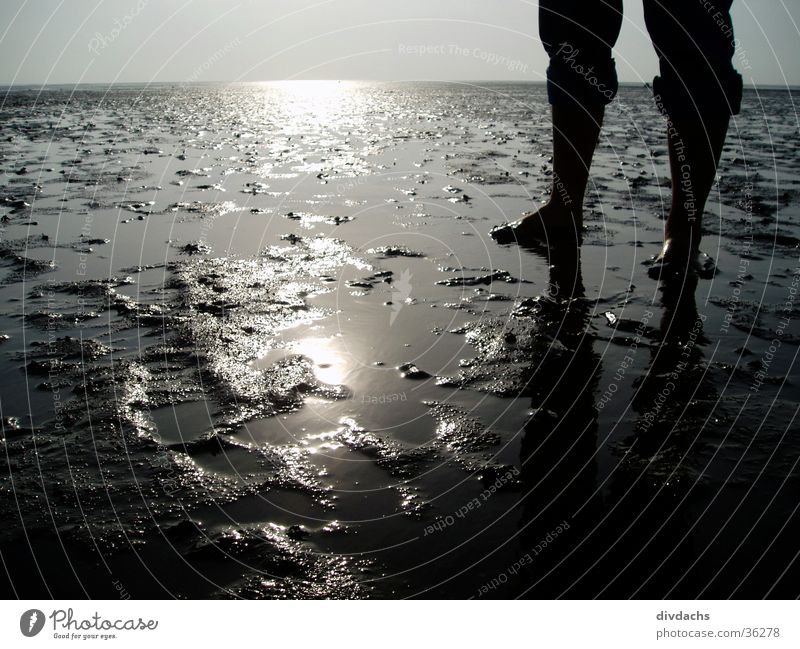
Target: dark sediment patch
{"x": 388, "y": 252}
{"x": 21, "y": 266}
{"x": 487, "y": 280}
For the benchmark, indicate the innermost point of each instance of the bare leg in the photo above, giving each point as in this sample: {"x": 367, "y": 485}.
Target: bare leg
{"x": 694, "y": 152}
{"x": 575, "y": 133}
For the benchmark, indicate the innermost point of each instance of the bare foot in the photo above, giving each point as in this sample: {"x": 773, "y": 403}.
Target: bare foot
{"x": 681, "y": 258}
{"x": 550, "y": 223}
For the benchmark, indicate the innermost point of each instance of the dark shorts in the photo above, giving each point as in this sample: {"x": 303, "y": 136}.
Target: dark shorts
{"x": 692, "y": 38}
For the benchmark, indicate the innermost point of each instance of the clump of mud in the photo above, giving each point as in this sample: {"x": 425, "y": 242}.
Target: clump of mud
{"x": 283, "y": 567}
{"x": 21, "y": 266}
{"x": 486, "y": 280}
{"x": 458, "y": 432}
{"x": 388, "y": 252}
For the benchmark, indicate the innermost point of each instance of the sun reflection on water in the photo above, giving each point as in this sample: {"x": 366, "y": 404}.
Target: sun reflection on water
{"x": 330, "y": 364}
{"x": 322, "y": 102}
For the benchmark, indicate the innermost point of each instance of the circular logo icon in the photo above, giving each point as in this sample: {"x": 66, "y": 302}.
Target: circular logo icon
{"x": 31, "y": 622}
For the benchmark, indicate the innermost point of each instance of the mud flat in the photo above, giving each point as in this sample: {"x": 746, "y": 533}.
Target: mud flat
{"x": 256, "y": 342}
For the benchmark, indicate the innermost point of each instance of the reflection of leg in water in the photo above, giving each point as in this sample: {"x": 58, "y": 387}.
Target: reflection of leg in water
{"x": 675, "y": 372}
{"x": 651, "y": 496}
{"x": 558, "y": 467}
{"x": 633, "y": 541}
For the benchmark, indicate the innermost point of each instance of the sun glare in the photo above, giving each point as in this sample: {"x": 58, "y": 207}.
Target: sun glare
{"x": 330, "y": 365}
{"x": 318, "y": 102}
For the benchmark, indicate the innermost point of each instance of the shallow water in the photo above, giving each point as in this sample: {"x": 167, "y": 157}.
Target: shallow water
{"x": 257, "y": 343}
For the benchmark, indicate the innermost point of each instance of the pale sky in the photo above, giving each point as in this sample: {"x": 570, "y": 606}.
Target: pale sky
{"x": 97, "y": 41}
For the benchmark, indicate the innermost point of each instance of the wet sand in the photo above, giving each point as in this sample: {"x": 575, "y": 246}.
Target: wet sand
{"x": 258, "y": 343}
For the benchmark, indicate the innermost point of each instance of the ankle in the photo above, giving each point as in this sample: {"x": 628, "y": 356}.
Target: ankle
{"x": 680, "y": 246}
{"x": 565, "y": 207}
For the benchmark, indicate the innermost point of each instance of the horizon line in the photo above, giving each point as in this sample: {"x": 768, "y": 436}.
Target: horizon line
{"x": 27, "y": 85}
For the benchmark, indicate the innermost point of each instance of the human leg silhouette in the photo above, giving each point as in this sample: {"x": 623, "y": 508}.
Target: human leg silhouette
{"x": 697, "y": 90}
{"x": 581, "y": 79}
